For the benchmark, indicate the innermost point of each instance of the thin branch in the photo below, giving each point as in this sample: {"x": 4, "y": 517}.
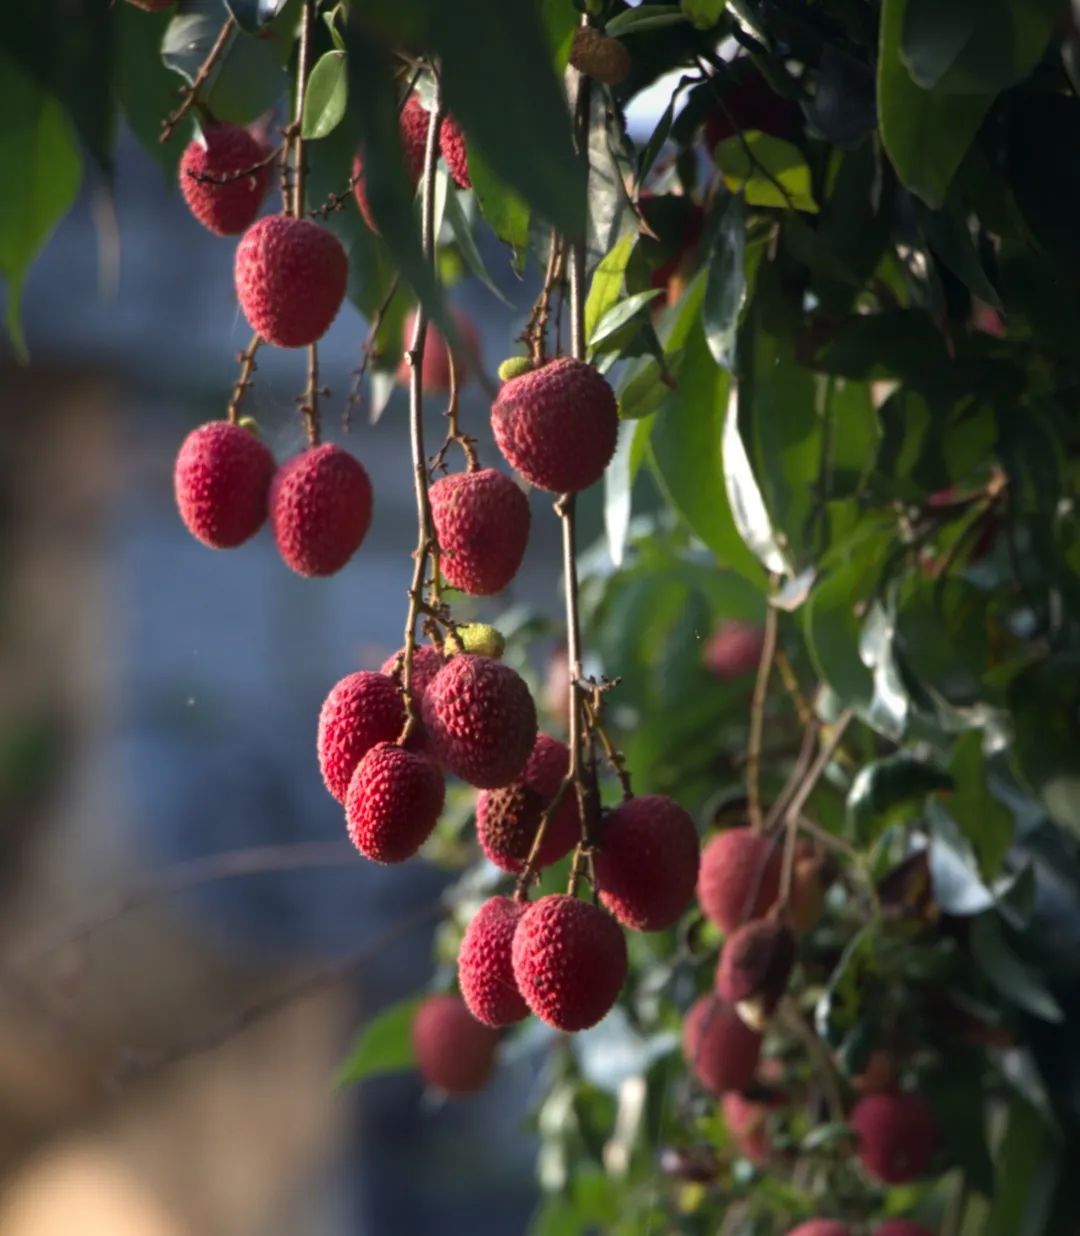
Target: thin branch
{"x": 535, "y": 332}
{"x": 228, "y": 178}
{"x": 367, "y": 349}
{"x": 191, "y": 93}
{"x": 594, "y": 709}
{"x": 757, "y": 719}
{"x": 309, "y": 401}
{"x": 825, "y": 1069}
{"x": 528, "y": 872}
{"x": 245, "y": 380}
{"x": 335, "y": 201}
{"x": 453, "y": 428}
{"x": 791, "y": 685}
{"x": 303, "y": 63}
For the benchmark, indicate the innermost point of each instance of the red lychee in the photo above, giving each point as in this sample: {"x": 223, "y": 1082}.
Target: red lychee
{"x": 557, "y": 425}
{"x": 720, "y": 1049}
{"x": 221, "y": 481}
{"x": 647, "y": 863}
{"x": 482, "y": 524}
{"x": 320, "y": 509}
{"x": 220, "y": 152}
{"x": 569, "y": 961}
{"x": 901, "y": 1227}
{"x": 290, "y": 279}
{"x": 435, "y": 368}
{"x": 427, "y": 662}
{"x": 746, "y": 1120}
{"x": 739, "y": 878}
{"x": 808, "y": 885}
{"x": 821, "y": 1227}
{"x": 755, "y": 966}
{"x": 507, "y": 819}
{"x": 897, "y": 1133}
{"x": 455, "y": 152}
{"x": 414, "y": 120}
{"x": 361, "y": 710}
{"x": 485, "y": 966}
{"x": 481, "y": 720}
{"x": 393, "y": 802}
{"x": 751, "y": 103}
{"x": 733, "y": 649}
{"x": 454, "y": 1052}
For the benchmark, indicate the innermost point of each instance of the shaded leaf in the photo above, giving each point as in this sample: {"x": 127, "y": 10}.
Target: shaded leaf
{"x": 983, "y": 820}
{"x": 766, "y": 170}
{"x": 725, "y": 283}
{"x": 326, "y": 95}
{"x": 889, "y": 791}
{"x": 384, "y": 1045}
{"x": 505, "y": 211}
{"x": 1015, "y": 979}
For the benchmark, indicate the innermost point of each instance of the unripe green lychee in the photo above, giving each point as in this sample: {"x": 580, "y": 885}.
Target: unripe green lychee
{"x": 479, "y": 638}
{"x": 514, "y": 367}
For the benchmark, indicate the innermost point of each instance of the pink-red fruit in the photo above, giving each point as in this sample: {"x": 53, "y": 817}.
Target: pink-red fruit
{"x": 221, "y": 480}
{"x": 721, "y": 1051}
{"x": 755, "y": 964}
{"x": 896, "y": 1133}
{"x": 482, "y": 525}
{"x": 569, "y": 961}
{"x": 746, "y": 1121}
{"x": 557, "y": 425}
{"x": 454, "y": 1052}
{"x": 485, "y": 966}
{"x": 320, "y": 509}
{"x": 393, "y": 803}
{"x": 454, "y": 151}
{"x": 739, "y": 878}
{"x": 507, "y": 819}
{"x": 435, "y": 367}
{"x": 733, "y": 649}
{"x": 821, "y": 1227}
{"x": 647, "y": 863}
{"x": 222, "y": 151}
{"x": 427, "y": 662}
{"x": 361, "y": 710}
{"x": 481, "y": 720}
{"x": 290, "y": 279}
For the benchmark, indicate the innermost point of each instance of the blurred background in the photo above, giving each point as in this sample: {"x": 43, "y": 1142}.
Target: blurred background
{"x": 157, "y": 706}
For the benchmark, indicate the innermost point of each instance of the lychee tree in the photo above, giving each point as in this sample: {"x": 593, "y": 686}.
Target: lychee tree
{"x": 789, "y": 862}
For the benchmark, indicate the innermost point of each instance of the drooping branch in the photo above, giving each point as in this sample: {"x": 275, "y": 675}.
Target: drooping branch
{"x": 245, "y": 379}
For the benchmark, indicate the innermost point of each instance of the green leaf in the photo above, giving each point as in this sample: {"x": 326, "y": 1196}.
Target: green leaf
{"x": 466, "y": 243}
{"x": 766, "y": 170}
{"x": 704, "y": 13}
{"x": 985, "y": 821}
{"x": 607, "y": 281}
{"x": 145, "y": 88}
{"x": 889, "y": 791}
{"x": 505, "y": 211}
{"x": 933, "y": 35}
{"x": 618, "y": 316}
{"x": 1045, "y": 705}
{"x": 38, "y": 147}
{"x": 647, "y": 17}
{"x": 926, "y": 133}
{"x": 1014, "y": 978}
{"x": 384, "y": 1045}
{"x": 1028, "y": 1167}
{"x": 326, "y": 95}
{"x": 560, "y": 20}
{"x": 725, "y": 284}
{"x": 948, "y": 235}
{"x": 252, "y": 15}
{"x": 839, "y": 1006}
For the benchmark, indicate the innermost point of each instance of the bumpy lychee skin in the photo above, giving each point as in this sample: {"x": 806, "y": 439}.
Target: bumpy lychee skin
{"x": 435, "y": 368}
{"x": 454, "y": 1052}
{"x": 482, "y": 524}
{"x": 427, "y": 662}
{"x": 320, "y": 509}
{"x": 756, "y": 963}
{"x": 481, "y": 720}
{"x": 454, "y": 151}
{"x": 739, "y": 878}
{"x": 414, "y": 121}
{"x": 507, "y": 819}
{"x": 569, "y": 961}
{"x": 721, "y": 1051}
{"x": 361, "y": 710}
{"x": 222, "y": 151}
{"x": 821, "y": 1227}
{"x": 393, "y": 803}
{"x": 599, "y": 56}
{"x": 733, "y": 649}
{"x": 901, "y": 1227}
{"x": 896, "y": 1135}
{"x": 221, "y": 480}
{"x": 485, "y": 967}
{"x": 647, "y": 864}
{"x": 557, "y": 425}
{"x": 290, "y": 279}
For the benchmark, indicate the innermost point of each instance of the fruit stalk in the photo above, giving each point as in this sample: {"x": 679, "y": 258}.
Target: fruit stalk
{"x": 191, "y": 93}
{"x": 757, "y": 720}
{"x": 426, "y": 544}
{"x": 245, "y": 379}
{"x": 303, "y": 62}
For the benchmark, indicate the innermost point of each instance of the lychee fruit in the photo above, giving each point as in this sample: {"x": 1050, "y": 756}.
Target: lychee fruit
{"x": 435, "y": 367}
{"x": 427, "y": 662}
{"x": 896, "y": 1133}
{"x": 733, "y": 649}
{"x": 721, "y": 1050}
{"x": 556, "y": 692}
{"x": 290, "y": 279}
{"x": 482, "y": 525}
{"x": 754, "y": 969}
{"x": 221, "y": 480}
{"x": 507, "y": 818}
{"x": 599, "y": 56}
{"x": 454, "y": 1052}
{"x": 751, "y": 103}
{"x": 647, "y": 862}
{"x": 393, "y": 802}
{"x": 557, "y": 425}
{"x": 455, "y": 152}
{"x": 569, "y": 961}
{"x": 485, "y": 966}
{"x": 413, "y": 121}
{"x": 739, "y": 878}
{"x": 901, "y": 1227}
{"x": 821, "y": 1227}
{"x": 746, "y": 1121}
{"x": 320, "y": 509}
{"x": 879, "y": 1073}
{"x": 808, "y": 885}
{"x": 361, "y": 710}
{"x": 219, "y": 153}
{"x": 481, "y": 720}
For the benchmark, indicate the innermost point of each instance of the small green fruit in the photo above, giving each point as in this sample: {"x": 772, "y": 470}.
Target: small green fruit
{"x": 477, "y": 638}
{"x": 514, "y": 367}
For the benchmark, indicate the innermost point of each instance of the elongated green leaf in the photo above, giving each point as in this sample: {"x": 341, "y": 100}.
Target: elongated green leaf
{"x": 1045, "y": 752}
{"x": 384, "y": 1045}
{"x": 766, "y": 170}
{"x": 504, "y": 210}
{"x": 467, "y": 244}
{"x": 725, "y": 285}
{"x": 619, "y": 315}
{"x": 647, "y": 17}
{"x": 704, "y": 13}
{"x": 889, "y": 791}
{"x": 326, "y": 95}
{"x": 1028, "y": 1164}
{"x": 607, "y": 281}
{"x": 1014, "y": 978}
{"x": 983, "y": 820}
